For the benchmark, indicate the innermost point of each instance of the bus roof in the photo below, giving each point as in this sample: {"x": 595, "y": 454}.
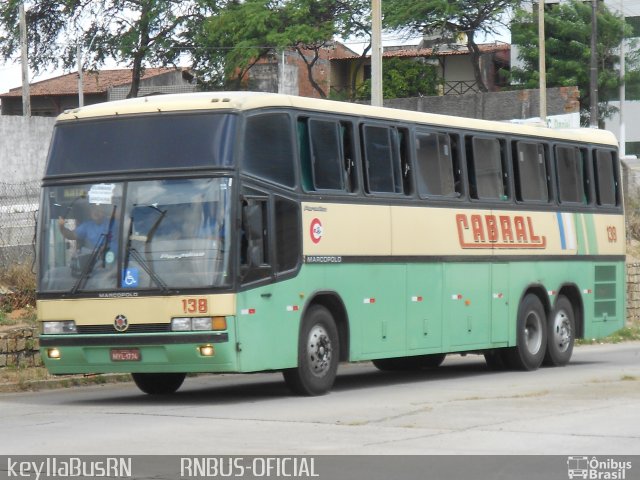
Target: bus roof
{"x": 255, "y": 100}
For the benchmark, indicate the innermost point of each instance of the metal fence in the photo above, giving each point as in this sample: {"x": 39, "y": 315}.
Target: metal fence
{"x": 18, "y": 214}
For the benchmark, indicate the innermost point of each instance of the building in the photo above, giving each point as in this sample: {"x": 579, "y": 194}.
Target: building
{"x": 629, "y": 135}
{"x": 51, "y": 97}
{"x": 452, "y": 60}
{"x": 287, "y": 72}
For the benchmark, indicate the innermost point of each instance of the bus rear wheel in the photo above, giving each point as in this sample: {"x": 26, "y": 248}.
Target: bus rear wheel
{"x": 561, "y": 334}
{"x": 531, "y": 335}
{"x": 158, "y": 383}
{"x": 318, "y": 354}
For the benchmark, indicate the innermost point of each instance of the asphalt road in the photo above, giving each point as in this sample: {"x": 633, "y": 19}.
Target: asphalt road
{"x": 590, "y": 407}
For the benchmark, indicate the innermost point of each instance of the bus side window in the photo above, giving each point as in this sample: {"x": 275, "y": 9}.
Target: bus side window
{"x": 327, "y": 160}
{"x": 268, "y": 148}
{"x": 304, "y": 150}
{"x": 385, "y": 170}
{"x": 571, "y": 172}
{"x": 326, "y": 155}
{"x": 604, "y": 166}
{"x": 349, "y": 159}
{"x": 530, "y": 172}
{"x": 254, "y": 248}
{"x": 487, "y": 169}
{"x": 435, "y": 165}
{"x": 287, "y": 228}
{"x": 401, "y": 137}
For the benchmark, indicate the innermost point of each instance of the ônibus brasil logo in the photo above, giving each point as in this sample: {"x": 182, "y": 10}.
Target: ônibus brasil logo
{"x": 596, "y": 469}
{"x": 316, "y": 230}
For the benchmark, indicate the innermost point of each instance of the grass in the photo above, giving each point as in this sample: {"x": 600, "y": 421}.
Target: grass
{"x": 630, "y": 333}
{"x": 17, "y": 306}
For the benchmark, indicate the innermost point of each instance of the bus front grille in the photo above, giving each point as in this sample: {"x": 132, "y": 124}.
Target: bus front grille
{"x": 133, "y": 328}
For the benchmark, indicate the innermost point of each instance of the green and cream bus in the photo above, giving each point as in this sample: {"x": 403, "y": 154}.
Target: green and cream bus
{"x": 244, "y": 232}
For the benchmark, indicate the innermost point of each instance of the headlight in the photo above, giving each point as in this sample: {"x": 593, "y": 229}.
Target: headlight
{"x": 201, "y": 323}
{"x": 181, "y": 324}
{"x": 59, "y": 328}
{"x": 198, "y": 324}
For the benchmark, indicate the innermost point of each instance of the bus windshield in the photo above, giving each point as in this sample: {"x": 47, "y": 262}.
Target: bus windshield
{"x": 167, "y": 234}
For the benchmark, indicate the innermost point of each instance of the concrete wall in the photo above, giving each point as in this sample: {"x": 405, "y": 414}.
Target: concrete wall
{"x": 24, "y": 144}
{"x": 517, "y": 104}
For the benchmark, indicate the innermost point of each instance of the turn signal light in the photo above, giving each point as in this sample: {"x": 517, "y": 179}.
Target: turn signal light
{"x": 219, "y": 323}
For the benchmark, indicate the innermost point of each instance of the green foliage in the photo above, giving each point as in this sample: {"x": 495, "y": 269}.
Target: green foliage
{"x": 403, "y": 78}
{"x": 132, "y": 32}
{"x": 450, "y": 18}
{"x": 568, "y": 51}
{"x": 243, "y": 33}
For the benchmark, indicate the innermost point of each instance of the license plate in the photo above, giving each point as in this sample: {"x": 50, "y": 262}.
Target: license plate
{"x": 125, "y": 355}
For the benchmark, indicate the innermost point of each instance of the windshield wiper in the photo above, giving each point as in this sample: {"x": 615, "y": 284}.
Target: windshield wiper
{"x": 132, "y": 252}
{"x": 101, "y": 247}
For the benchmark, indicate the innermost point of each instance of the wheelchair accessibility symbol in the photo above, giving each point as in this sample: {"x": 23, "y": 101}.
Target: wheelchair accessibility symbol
{"x": 130, "y": 278}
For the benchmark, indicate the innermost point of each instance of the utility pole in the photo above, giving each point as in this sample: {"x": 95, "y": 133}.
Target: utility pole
{"x": 26, "y": 95}
{"x": 593, "y": 94}
{"x": 542, "y": 65}
{"x": 623, "y": 133}
{"x": 376, "y": 53}
{"x": 80, "y": 78}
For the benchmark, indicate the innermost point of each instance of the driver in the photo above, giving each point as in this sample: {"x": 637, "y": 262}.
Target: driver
{"x": 89, "y": 232}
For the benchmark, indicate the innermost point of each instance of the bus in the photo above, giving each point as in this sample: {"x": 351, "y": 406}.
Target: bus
{"x": 246, "y": 232}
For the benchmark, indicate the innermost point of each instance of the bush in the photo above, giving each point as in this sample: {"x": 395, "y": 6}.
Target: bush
{"x": 19, "y": 283}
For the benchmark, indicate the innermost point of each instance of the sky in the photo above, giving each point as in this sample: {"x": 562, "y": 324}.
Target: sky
{"x": 11, "y": 73}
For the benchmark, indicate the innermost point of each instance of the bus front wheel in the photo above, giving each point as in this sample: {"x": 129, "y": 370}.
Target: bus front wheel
{"x": 158, "y": 383}
{"x": 531, "y": 335}
{"x": 318, "y": 354}
{"x": 561, "y": 335}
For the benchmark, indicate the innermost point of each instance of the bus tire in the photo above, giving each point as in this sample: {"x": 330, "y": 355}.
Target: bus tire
{"x": 318, "y": 354}
{"x": 561, "y": 334}
{"x": 531, "y": 335}
{"x": 158, "y": 383}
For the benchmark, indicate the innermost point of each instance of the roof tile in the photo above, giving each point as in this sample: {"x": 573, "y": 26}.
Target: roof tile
{"x": 93, "y": 82}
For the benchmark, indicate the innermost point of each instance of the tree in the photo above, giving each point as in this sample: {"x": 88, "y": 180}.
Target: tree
{"x": 403, "y": 78}
{"x": 134, "y": 32}
{"x": 455, "y": 17}
{"x": 226, "y": 45}
{"x": 568, "y": 51}
{"x": 245, "y": 32}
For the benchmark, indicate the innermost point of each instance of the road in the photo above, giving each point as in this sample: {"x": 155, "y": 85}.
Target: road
{"x": 590, "y": 407}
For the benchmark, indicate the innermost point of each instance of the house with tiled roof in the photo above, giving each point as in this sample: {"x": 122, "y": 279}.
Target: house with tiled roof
{"x": 51, "y": 97}
{"x": 452, "y": 60}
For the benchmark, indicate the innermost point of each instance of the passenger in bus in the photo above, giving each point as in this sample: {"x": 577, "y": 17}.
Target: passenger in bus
{"x": 90, "y": 232}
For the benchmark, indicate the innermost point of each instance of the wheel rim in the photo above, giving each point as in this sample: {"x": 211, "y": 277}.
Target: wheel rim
{"x": 319, "y": 351}
{"x": 562, "y": 331}
{"x": 533, "y": 332}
